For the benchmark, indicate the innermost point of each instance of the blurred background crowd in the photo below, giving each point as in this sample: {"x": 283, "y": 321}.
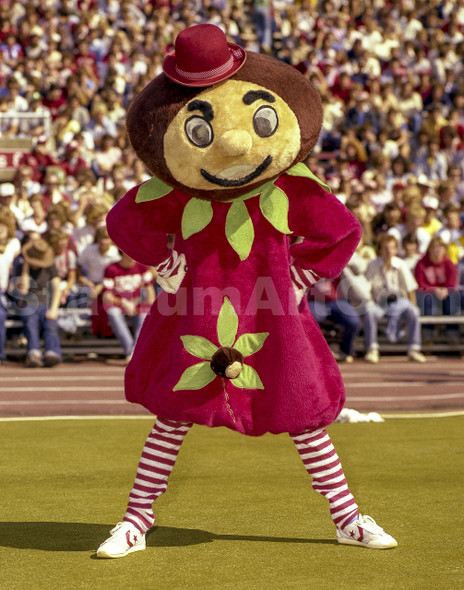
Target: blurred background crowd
{"x": 391, "y": 77}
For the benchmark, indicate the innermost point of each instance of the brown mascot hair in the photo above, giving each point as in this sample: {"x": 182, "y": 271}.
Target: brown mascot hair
{"x": 152, "y": 111}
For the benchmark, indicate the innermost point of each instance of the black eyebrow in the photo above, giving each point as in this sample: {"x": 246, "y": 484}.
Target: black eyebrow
{"x": 253, "y": 95}
{"x": 204, "y": 107}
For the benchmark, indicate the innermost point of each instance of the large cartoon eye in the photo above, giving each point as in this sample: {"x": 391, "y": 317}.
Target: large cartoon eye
{"x": 265, "y": 121}
{"x": 199, "y": 132}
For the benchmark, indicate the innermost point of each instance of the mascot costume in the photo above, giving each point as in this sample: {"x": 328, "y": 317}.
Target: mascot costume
{"x": 237, "y": 228}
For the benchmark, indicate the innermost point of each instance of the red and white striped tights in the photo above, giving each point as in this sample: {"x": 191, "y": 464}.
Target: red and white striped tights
{"x": 162, "y": 447}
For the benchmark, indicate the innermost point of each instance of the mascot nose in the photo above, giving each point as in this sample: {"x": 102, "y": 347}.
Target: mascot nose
{"x": 235, "y": 142}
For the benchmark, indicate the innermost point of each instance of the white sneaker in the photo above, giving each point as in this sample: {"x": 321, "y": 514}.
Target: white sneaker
{"x": 416, "y": 356}
{"x": 372, "y": 356}
{"x": 125, "y": 538}
{"x": 345, "y": 358}
{"x": 366, "y": 533}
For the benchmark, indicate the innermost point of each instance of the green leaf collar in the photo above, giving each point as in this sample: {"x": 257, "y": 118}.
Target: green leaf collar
{"x": 198, "y": 213}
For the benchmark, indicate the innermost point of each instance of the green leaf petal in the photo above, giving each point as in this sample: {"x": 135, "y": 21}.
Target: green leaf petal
{"x": 199, "y": 347}
{"x": 274, "y": 206}
{"x": 151, "y": 190}
{"x": 195, "y": 377}
{"x": 227, "y": 324}
{"x": 239, "y": 229}
{"x": 248, "y": 379}
{"x": 248, "y": 344}
{"x": 196, "y": 216}
{"x": 301, "y": 170}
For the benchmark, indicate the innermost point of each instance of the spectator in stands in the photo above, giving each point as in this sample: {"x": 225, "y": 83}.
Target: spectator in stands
{"x": 55, "y": 101}
{"x": 9, "y": 123}
{"x": 451, "y": 229}
{"x": 52, "y": 188}
{"x": 357, "y": 290}
{"x": 431, "y": 206}
{"x": 456, "y": 177}
{"x": 9, "y": 249}
{"x": 388, "y": 219}
{"x": 73, "y": 161}
{"x": 92, "y": 263}
{"x": 413, "y": 222}
{"x": 78, "y": 112}
{"x": 16, "y": 102}
{"x": 437, "y": 279}
{"x": 106, "y": 156}
{"x": 11, "y": 49}
{"x": 25, "y": 187}
{"x": 411, "y": 251}
{"x": 326, "y": 302}
{"x": 394, "y": 290}
{"x": 36, "y": 222}
{"x": 128, "y": 293}
{"x": 410, "y": 105}
{"x": 8, "y": 202}
{"x": 400, "y": 171}
{"x": 94, "y": 214}
{"x": 66, "y": 264}
{"x": 35, "y": 126}
{"x": 58, "y": 217}
{"x": 100, "y": 125}
{"x": 262, "y": 14}
{"x": 38, "y": 286}
{"x": 39, "y": 158}
{"x": 433, "y": 164}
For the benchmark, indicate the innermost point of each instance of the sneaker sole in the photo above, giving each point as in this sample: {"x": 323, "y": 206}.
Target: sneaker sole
{"x": 105, "y": 555}
{"x": 366, "y": 545}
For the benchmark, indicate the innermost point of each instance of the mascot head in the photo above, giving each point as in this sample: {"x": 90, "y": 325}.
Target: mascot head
{"x": 221, "y": 121}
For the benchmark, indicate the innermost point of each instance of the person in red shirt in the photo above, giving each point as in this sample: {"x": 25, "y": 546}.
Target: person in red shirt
{"x": 128, "y": 292}
{"x": 39, "y": 158}
{"x": 437, "y": 277}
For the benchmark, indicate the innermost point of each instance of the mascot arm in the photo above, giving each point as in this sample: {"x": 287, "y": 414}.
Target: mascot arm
{"x": 140, "y": 229}
{"x": 329, "y": 230}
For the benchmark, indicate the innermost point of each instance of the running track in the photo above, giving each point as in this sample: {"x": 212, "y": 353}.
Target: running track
{"x": 96, "y": 388}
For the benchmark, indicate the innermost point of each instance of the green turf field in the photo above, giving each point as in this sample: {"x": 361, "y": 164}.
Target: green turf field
{"x": 239, "y": 514}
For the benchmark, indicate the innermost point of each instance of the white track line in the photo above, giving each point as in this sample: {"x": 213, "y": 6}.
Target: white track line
{"x": 425, "y": 415}
{"x": 53, "y": 418}
{"x": 62, "y": 402}
{"x": 393, "y": 398}
{"x": 391, "y": 384}
{"x": 65, "y": 378}
{"x": 61, "y": 389}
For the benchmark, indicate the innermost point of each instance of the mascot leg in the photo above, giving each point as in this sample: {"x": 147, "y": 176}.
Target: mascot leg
{"x": 156, "y": 463}
{"x": 323, "y": 465}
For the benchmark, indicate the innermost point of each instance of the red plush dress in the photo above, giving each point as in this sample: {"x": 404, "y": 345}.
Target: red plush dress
{"x": 237, "y": 292}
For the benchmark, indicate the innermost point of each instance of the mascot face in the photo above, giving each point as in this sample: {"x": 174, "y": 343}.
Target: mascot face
{"x": 223, "y": 138}
{"x": 231, "y": 135}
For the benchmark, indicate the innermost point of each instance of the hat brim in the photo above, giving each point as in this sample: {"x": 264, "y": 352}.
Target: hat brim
{"x": 169, "y": 68}
{"x": 44, "y": 262}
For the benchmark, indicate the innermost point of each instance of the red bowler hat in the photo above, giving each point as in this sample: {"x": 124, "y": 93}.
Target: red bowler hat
{"x": 202, "y": 57}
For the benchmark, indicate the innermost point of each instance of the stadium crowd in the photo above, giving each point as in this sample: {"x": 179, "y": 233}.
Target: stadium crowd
{"x": 391, "y": 78}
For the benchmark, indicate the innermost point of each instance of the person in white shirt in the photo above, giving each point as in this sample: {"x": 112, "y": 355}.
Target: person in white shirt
{"x": 394, "y": 290}
{"x": 92, "y": 263}
{"x": 414, "y": 220}
{"x": 94, "y": 260}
